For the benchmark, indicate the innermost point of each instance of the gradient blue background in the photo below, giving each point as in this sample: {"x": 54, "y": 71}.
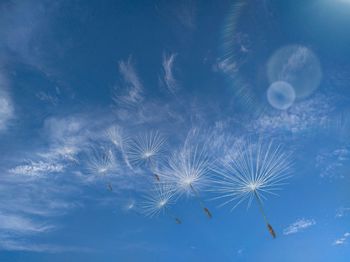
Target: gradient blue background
{"x": 62, "y": 64}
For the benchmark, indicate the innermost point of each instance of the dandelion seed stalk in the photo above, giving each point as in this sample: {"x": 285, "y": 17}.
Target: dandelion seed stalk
{"x": 201, "y": 202}
{"x": 169, "y": 212}
{"x": 261, "y": 208}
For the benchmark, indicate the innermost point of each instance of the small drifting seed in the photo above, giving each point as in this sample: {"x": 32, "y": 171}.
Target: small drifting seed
{"x": 156, "y": 176}
{"x": 272, "y": 232}
{"x": 206, "y": 210}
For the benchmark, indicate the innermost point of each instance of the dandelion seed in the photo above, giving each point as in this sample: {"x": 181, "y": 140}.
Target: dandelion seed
{"x": 158, "y": 201}
{"x": 187, "y": 171}
{"x": 255, "y": 171}
{"x": 146, "y": 150}
{"x": 101, "y": 163}
{"x": 130, "y": 205}
{"x": 114, "y": 134}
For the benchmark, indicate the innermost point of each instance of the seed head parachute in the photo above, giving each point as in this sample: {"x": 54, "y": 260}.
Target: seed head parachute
{"x": 146, "y": 150}
{"x": 101, "y": 162}
{"x": 157, "y": 202}
{"x": 254, "y": 171}
{"x": 187, "y": 171}
{"x": 114, "y": 135}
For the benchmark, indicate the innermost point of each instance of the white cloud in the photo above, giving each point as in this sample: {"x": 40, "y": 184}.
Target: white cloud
{"x": 46, "y": 97}
{"x": 67, "y": 137}
{"x": 342, "y": 212}
{"x": 186, "y": 14}
{"x": 26, "y": 35}
{"x": 182, "y": 14}
{"x": 311, "y": 113}
{"x": 341, "y": 241}
{"x": 19, "y": 244}
{"x": 168, "y": 67}
{"x": 21, "y": 224}
{"x": 37, "y": 168}
{"x": 296, "y": 60}
{"x": 331, "y": 164}
{"x": 130, "y": 93}
{"x": 298, "y": 226}
{"x": 6, "y": 105}
{"x": 225, "y": 66}
{"x": 29, "y": 209}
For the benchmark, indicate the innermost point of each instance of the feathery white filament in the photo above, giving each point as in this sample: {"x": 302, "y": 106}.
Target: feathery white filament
{"x": 157, "y": 200}
{"x": 146, "y": 149}
{"x": 255, "y": 170}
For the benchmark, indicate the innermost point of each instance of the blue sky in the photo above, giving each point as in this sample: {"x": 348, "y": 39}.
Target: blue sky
{"x": 82, "y": 81}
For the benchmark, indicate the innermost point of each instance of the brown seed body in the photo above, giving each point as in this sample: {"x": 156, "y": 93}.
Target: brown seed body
{"x": 272, "y": 232}
{"x": 206, "y": 210}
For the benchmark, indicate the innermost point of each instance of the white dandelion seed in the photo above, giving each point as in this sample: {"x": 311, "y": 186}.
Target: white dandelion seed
{"x": 255, "y": 171}
{"x": 187, "y": 172}
{"x": 114, "y": 134}
{"x": 101, "y": 162}
{"x": 157, "y": 202}
{"x": 130, "y": 205}
{"x": 146, "y": 150}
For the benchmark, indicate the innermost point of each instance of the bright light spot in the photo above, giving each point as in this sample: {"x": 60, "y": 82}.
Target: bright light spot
{"x": 298, "y": 66}
{"x": 281, "y": 95}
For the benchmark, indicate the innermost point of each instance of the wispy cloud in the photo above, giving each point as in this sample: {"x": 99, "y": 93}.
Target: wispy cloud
{"x": 302, "y": 116}
{"x": 19, "y": 244}
{"x": 34, "y": 193}
{"x": 21, "y": 224}
{"x": 331, "y": 163}
{"x": 341, "y": 241}
{"x": 29, "y": 208}
{"x": 27, "y": 36}
{"x": 296, "y": 60}
{"x": 37, "y": 168}
{"x": 186, "y": 13}
{"x": 182, "y": 13}
{"x": 66, "y": 138}
{"x": 130, "y": 92}
{"x": 342, "y": 212}
{"x": 226, "y": 66}
{"x": 48, "y": 98}
{"x": 168, "y": 68}
{"x": 299, "y": 225}
{"x": 6, "y": 104}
